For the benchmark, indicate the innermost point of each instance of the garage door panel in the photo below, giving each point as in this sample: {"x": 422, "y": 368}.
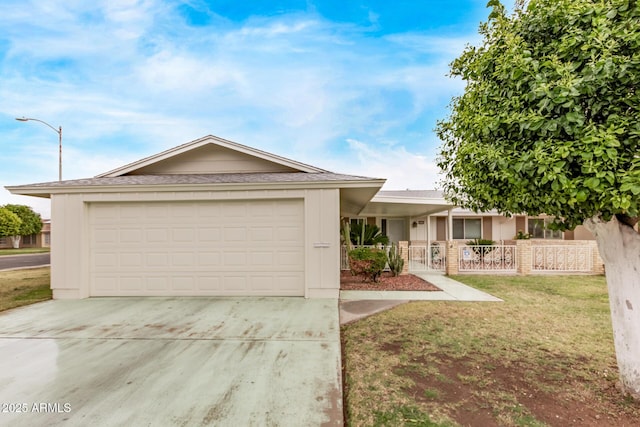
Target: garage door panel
{"x": 235, "y": 234}
{"x": 131, "y": 260}
{"x": 210, "y": 235}
{"x": 209, "y": 259}
{"x": 157, "y": 235}
{"x": 155, "y": 284}
{"x": 131, "y": 284}
{"x": 197, "y": 248}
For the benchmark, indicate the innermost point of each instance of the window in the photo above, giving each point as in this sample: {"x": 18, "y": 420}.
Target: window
{"x": 467, "y": 228}
{"x": 538, "y": 229}
{"x": 29, "y": 240}
{"x": 47, "y": 238}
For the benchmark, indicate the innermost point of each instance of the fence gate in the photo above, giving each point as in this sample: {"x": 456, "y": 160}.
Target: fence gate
{"x": 427, "y": 258}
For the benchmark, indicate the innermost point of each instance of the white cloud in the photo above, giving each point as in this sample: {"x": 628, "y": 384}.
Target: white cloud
{"x": 401, "y": 168}
{"x": 130, "y": 78}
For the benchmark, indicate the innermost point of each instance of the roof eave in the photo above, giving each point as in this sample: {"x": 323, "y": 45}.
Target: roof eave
{"x": 46, "y": 192}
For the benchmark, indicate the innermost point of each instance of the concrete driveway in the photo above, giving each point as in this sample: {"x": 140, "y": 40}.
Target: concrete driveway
{"x": 171, "y": 361}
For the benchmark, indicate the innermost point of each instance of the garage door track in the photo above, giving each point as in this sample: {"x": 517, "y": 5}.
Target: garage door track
{"x": 171, "y": 361}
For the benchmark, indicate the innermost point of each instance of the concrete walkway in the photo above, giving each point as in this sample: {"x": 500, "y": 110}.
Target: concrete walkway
{"x": 355, "y": 305}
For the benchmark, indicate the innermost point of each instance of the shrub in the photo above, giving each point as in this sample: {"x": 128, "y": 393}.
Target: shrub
{"x": 396, "y": 263}
{"x": 367, "y": 262}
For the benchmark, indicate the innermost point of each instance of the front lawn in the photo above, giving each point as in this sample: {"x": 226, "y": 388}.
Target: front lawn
{"x": 22, "y": 287}
{"x": 544, "y": 356}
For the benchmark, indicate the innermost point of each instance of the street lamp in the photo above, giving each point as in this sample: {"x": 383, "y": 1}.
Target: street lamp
{"x": 58, "y": 131}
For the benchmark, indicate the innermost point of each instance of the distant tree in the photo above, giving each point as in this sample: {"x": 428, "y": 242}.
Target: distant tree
{"x": 31, "y": 222}
{"x": 9, "y": 223}
{"x": 549, "y": 123}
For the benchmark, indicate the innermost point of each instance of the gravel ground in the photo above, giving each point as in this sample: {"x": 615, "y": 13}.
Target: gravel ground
{"x": 387, "y": 282}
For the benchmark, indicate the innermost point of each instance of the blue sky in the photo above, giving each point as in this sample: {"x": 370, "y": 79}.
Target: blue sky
{"x": 350, "y": 86}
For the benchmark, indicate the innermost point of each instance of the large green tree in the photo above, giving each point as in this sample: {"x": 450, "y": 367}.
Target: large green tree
{"x": 9, "y": 223}
{"x": 549, "y": 123}
{"x": 30, "y": 222}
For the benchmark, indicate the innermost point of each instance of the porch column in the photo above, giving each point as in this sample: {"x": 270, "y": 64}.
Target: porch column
{"x": 452, "y": 257}
{"x": 428, "y": 230}
{"x": 524, "y": 256}
{"x": 403, "y": 249}
{"x": 450, "y": 224}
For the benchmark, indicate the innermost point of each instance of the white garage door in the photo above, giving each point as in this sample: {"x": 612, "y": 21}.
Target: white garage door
{"x": 248, "y": 247}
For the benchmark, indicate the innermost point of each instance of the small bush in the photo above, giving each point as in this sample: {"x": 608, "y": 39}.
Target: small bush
{"x": 367, "y": 262}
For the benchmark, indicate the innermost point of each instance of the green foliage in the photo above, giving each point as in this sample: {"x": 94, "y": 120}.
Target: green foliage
{"x": 481, "y": 242}
{"x": 367, "y": 234}
{"x": 31, "y": 222}
{"x": 522, "y": 235}
{"x": 548, "y": 122}
{"x": 396, "y": 263}
{"x": 367, "y": 262}
{"x": 9, "y": 223}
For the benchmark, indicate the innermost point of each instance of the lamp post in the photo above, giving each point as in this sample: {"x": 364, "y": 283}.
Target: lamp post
{"x": 58, "y": 131}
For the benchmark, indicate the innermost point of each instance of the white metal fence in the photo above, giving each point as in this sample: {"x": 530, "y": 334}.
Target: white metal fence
{"x": 561, "y": 258}
{"x": 418, "y": 259}
{"x": 495, "y": 258}
{"x": 427, "y": 257}
{"x": 556, "y": 258}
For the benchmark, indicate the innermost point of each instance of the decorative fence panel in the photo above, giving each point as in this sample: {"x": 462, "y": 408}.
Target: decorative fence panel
{"x": 427, "y": 258}
{"x": 561, "y": 258}
{"x": 495, "y": 258}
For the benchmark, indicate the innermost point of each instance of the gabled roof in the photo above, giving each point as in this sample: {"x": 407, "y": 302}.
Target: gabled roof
{"x": 214, "y": 164}
{"x": 175, "y": 152}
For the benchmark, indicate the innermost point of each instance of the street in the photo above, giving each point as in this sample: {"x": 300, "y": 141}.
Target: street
{"x": 22, "y": 261}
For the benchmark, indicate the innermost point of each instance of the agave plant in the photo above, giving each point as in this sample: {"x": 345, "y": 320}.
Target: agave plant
{"x": 367, "y": 234}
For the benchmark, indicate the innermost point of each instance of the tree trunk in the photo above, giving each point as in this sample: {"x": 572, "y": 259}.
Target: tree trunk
{"x": 619, "y": 246}
{"x": 15, "y": 242}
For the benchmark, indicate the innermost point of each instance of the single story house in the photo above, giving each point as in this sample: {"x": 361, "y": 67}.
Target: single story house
{"x": 209, "y": 217}
{"x": 215, "y": 218}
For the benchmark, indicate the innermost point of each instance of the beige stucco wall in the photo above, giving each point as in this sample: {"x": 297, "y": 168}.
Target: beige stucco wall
{"x": 210, "y": 158}
{"x": 70, "y": 234}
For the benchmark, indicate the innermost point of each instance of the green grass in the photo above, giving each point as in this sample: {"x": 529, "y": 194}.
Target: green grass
{"x": 23, "y": 251}
{"x": 548, "y": 345}
{"x": 23, "y": 287}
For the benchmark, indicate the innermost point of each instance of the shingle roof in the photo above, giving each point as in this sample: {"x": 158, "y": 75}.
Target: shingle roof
{"x": 224, "y": 178}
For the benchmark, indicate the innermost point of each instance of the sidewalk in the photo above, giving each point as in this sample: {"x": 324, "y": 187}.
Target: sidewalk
{"x": 355, "y": 305}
